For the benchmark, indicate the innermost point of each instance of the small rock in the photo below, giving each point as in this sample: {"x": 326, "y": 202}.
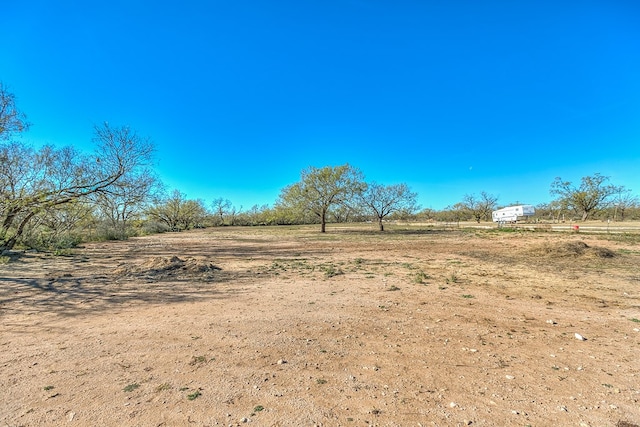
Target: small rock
{"x": 514, "y": 412}
{"x": 562, "y": 408}
{"x": 552, "y": 322}
{"x": 281, "y": 362}
{"x": 244, "y": 420}
{"x": 71, "y": 416}
{"x": 453, "y": 405}
{"x": 580, "y": 337}
{"x": 509, "y": 377}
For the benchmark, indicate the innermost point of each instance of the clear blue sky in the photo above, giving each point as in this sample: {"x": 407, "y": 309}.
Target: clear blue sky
{"x": 450, "y": 97}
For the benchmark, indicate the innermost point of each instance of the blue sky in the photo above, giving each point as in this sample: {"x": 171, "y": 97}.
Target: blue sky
{"x": 450, "y": 97}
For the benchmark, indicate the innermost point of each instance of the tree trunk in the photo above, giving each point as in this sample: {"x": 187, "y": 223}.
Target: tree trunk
{"x": 323, "y": 222}
{"x": 381, "y": 226}
{"x": 8, "y": 244}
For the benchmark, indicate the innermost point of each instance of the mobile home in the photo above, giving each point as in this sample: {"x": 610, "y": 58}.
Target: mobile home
{"x": 513, "y": 213}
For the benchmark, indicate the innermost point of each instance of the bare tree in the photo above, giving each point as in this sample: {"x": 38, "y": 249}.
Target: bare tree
{"x": 479, "y": 208}
{"x": 12, "y": 120}
{"x": 321, "y": 188}
{"x": 127, "y": 200}
{"x": 589, "y": 197}
{"x": 34, "y": 182}
{"x": 384, "y": 200}
{"x": 622, "y": 201}
{"x": 221, "y": 207}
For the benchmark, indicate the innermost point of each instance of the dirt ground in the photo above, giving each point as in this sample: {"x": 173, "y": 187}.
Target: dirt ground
{"x": 279, "y": 326}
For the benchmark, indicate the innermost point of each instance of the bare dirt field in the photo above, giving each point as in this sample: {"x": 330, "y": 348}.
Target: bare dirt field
{"x": 284, "y": 326}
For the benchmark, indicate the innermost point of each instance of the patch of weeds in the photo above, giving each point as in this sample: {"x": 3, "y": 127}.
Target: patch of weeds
{"x": 376, "y": 412}
{"x": 258, "y": 408}
{"x": 442, "y": 288}
{"x": 131, "y": 387}
{"x": 331, "y": 271}
{"x": 163, "y": 387}
{"x": 349, "y": 419}
{"x": 4, "y": 260}
{"x": 452, "y": 278}
{"x": 323, "y": 350}
{"x": 183, "y": 388}
{"x": 358, "y": 261}
{"x": 194, "y": 395}
{"x": 195, "y": 360}
{"x": 321, "y": 381}
{"x": 195, "y": 338}
{"x": 63, "y": 252}
{"x": 48, "y": 387}
{"x": 635, "y": 320}
{"x": 311, "y": 302}
{"x": 421, "y": 276}
{"x": 608, "y": 385}
{"x": 393, "y": 288}
{"x": 467, "y": 296}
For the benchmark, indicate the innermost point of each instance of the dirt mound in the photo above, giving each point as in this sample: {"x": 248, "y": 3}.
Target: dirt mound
{"x": 167, "y": 266}
{"x": 572, "y": 249}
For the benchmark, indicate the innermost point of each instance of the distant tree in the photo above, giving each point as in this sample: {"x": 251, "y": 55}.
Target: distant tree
{"x": 256, "y": 215}
{"x": 593, "y": 193}
{"x": 221, "y": 208}
{"x": 383, "y": 200}
{"x": 320, "y": 189}
{"x": 192, "y": 214}
{"x": 33, "y": 183}
{"x": 178, "y": 213}
{"x": 427, "y": 214}
{"x": 455, "y": 213}
{"x": 623, "y": 201}
{"x": 233, "y": 214}
{"x": 479, "y": 208}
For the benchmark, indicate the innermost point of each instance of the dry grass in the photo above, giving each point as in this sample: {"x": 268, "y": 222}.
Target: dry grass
{"x": 571, "y": 249}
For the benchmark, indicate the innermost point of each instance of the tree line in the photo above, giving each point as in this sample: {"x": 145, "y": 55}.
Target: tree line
{"x": 57, "y": 197}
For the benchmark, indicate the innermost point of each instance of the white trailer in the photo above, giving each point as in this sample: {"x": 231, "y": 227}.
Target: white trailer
{"x": 513, "y": 213}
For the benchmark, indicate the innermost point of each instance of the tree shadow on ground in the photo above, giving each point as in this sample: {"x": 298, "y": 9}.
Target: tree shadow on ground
{"x": 392, "y": 231}
{"x": 70, "y": 296}
{"x": 114, "y": 275}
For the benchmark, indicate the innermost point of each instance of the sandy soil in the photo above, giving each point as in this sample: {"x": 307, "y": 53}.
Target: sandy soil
{"x": 287, "y": 327}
